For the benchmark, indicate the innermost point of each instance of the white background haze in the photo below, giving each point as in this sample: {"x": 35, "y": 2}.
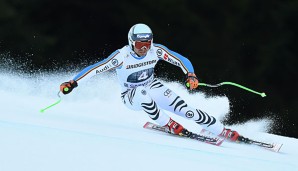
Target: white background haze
{"x": 91, "y": 130}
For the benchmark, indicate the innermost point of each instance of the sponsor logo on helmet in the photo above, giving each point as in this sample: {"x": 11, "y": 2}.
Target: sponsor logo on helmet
{"x": 159, "y": 52}
{"x": 189, "y": 114}
{"x": 142, "y": 36}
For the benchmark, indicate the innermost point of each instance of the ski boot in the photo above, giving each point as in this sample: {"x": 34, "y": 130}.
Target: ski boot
{"x": 230, "y": 134}
{"x": 174, "y": 127}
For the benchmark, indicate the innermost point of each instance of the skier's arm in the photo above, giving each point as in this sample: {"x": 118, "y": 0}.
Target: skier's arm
{"x": 105, "y": 65}
{"x": 176, "y": 59}
{"x": 113, "y": 61}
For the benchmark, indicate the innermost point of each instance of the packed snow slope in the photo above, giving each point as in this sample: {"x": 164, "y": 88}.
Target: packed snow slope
{"x": 91, "y": 130}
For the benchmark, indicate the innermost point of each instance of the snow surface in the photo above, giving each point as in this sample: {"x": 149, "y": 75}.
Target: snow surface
{"x": 91, "y": 130}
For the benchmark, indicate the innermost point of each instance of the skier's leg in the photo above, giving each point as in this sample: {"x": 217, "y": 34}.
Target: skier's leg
{"x": 170, "y": 101}
{"x": 138, "y": 99}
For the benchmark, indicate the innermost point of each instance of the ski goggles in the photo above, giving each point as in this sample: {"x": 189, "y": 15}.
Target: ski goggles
{"x": 141, "y": 44}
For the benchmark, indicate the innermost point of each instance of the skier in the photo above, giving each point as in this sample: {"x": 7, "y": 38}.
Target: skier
{"x": 134, "y": 65}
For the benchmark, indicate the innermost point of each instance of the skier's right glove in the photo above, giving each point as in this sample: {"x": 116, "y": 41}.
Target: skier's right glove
{"x": 67, "y": 87}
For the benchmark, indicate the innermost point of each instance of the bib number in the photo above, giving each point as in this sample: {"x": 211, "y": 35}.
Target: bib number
{"x": 143, "y": 76}
{"x": 140, "y": 76}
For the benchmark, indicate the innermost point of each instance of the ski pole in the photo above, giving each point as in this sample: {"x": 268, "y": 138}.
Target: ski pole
{"x": 42, "y": 110}
{"x": 233, "y": 84}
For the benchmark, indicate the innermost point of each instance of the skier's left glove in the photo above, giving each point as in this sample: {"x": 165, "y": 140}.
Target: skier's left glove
{"x": 192, "y": 81}
{"x": 67, "y": 87}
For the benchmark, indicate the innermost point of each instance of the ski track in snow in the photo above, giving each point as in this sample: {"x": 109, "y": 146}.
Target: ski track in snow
{"x": 92, "y": 130}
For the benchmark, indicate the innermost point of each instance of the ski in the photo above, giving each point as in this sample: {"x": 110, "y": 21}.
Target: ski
{"x": 275, "y": 147}
{"x": 209, "y": 140}
{"x": 272, "y": 147}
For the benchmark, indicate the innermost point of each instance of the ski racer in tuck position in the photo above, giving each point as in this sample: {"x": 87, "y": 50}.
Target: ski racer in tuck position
{"x": 134, "y": 65}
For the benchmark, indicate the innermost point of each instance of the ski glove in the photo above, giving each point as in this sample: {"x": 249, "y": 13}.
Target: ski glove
{"x": 67, "y": 87}
{"x": 192, "y": 81}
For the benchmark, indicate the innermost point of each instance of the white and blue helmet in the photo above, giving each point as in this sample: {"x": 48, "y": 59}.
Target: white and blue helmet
{"x": 139, "y": 32}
